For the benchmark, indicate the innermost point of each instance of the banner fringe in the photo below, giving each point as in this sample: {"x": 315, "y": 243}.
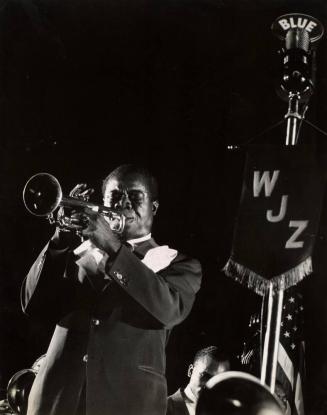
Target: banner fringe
{"x": 260, "y": 285}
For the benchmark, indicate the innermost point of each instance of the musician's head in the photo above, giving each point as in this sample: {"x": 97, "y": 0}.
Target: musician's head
{"x": 207, "y": 363}
{"x": 133, "y": 191}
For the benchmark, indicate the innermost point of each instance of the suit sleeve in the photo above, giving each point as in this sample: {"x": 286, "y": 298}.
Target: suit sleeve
{"x": 44, "y": 289}
{"x": 167, "y": 295}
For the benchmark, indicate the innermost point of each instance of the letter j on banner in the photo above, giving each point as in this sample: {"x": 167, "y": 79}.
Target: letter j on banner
{"x": 278, "y": 218}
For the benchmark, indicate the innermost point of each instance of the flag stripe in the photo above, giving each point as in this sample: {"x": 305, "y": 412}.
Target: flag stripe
{"x": 286, "y": 364}
{"x": 283, "y": 381}
{"x": 291, "y": 362}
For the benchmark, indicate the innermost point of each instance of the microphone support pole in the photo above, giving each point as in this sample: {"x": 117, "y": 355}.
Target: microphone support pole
{"x": 297, "y": 86}
{"x": 293, "y": 118}
{"x": 273, "y": 303}
{"x": 273, "y": 300}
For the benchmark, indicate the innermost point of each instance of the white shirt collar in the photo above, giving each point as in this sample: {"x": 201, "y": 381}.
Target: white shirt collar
{"x": 191, "y": 402}
{"x": 189, "y": 394}
{"x": 139, "y": 240}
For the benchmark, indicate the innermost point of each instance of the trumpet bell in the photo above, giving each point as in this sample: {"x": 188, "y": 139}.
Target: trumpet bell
{"x": 19, "y": 387}
{"x": 18, "y": 390}
{"x": 42, "y": 194}
{"x": 237, "y": 393}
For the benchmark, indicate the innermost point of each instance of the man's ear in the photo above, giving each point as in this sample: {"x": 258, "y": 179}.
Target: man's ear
{"x": 190, "y": 371}
{"x": 155, "y": 206}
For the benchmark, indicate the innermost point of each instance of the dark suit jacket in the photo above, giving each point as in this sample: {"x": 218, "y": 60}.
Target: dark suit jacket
{"x": 113, "y": 340}
{"x": 176, "y": 404}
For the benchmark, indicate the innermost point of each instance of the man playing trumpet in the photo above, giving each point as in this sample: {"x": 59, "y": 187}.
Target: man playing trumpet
{"x": 114, "y": 306}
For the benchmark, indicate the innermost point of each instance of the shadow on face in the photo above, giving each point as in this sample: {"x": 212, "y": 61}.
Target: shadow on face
{"x": 203, "y": 370}
{"x": 131, "y": 195}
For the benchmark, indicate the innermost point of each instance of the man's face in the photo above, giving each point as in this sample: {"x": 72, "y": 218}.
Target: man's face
{"x": 203, "y": 370}
{"x": 131, "y": 196}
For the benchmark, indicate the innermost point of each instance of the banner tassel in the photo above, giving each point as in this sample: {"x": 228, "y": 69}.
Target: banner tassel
{"x": 260, "y": 285}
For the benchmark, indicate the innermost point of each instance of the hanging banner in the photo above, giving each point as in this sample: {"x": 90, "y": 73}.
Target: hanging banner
{"x": 278, "y": 218}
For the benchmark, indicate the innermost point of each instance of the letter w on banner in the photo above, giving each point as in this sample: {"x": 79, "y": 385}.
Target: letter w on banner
{"x": 278, "y": 218}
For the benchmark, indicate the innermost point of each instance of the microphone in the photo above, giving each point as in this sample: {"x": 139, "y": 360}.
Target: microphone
{"x": 298, "y": 32}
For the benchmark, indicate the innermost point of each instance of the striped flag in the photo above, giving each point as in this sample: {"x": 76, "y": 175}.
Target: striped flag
{"x": 290, "y": 368}
{"x": 291, "y": 364}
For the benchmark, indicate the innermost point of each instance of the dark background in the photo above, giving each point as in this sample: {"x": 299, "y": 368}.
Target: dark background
{"x": 86, "y": 85}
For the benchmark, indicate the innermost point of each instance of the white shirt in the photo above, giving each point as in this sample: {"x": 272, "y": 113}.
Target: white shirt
{"x": 191, "y": 400}
{"x": 93, "y": 259}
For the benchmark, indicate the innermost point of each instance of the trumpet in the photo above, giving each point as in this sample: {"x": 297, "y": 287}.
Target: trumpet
{"x": 19, "y": 387}
{"x": 237, "y": 393}
{"x": 42, "y": 195}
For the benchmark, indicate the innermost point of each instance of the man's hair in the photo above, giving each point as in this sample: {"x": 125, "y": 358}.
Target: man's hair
{"x": 211, "y": 351}
{"x": 133, "y": 169}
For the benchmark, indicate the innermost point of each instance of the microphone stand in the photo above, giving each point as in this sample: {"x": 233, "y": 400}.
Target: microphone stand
{"x": 273, "y": 300}
{"x": 293, "y": 117}
{"x": 273, "y": 303}
{"x": 297, "y": 84}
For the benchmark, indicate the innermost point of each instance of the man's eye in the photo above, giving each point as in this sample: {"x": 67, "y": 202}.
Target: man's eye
{"x": 205, "y": 376}
{"x": 116, "y": 195}
{"x": 136, "y": 197}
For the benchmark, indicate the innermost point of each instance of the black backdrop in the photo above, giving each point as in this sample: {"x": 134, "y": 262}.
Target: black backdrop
{"x": 86, "y": 85}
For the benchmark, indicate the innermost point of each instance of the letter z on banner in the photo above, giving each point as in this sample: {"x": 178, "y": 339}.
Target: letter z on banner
{"x": 278, "y": 218}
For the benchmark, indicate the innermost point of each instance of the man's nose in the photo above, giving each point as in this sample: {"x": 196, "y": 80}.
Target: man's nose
{"x": 123, "y": 203}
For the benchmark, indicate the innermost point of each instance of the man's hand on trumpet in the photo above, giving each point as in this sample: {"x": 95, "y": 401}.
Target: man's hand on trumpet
{"x": 92, "y": 225}
{"x": 98, "y": 231}
{"x": 70, "y": 223}
{"x": 82, "y": 192}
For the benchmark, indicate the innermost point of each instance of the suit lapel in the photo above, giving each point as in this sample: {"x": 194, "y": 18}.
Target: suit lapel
{"x": 180, "y": 402}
